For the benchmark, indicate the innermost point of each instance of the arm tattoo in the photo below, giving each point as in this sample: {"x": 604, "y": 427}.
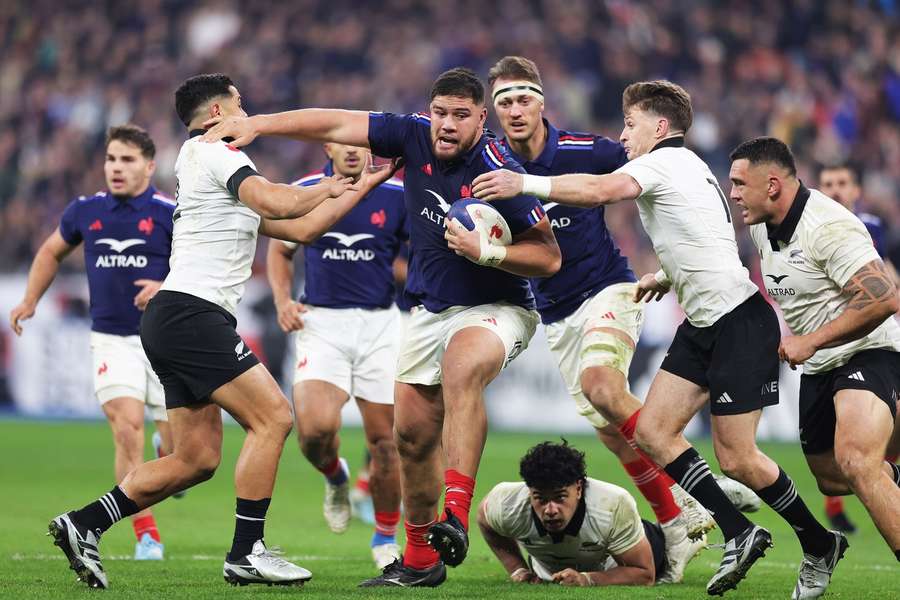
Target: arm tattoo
{"x": 870, "y": 285}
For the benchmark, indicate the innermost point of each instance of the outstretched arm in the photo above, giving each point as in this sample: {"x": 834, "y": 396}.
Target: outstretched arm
{"x": 282, "y": 201}
{"x": 309, "y": 124}
{"x": 310, "y": 227}
{"x": 506, "y": 550}
{"x": 581, "y": 190}
{"x": 43, "y": 270}
{"x": 873, "y": 300}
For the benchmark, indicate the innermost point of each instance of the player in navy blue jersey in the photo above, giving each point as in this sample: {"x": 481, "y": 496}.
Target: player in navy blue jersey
{"x": 475, "y": 310}
{"x": 841, "y": 182}
{"x": 347, "y": 342}
{"x": 127, "y": 235}
{"x": 590, "y": 320}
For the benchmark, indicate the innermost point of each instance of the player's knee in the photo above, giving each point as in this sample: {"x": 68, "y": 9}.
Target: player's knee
{"x": 831, "y": 487}
{"x": 128, "y": 434}
{"x": 384, "y": 455}
{"x": 413, "y": 444}
{"x": 313, "y": 440}
{"x": 603, "y": 392}
{"x": 465, "y": 373}
{"x": 204, "y": 464}
{"x": 279, "y": 421}
{"x": 855, "y": 463}
{"x": 736, "y": 465}
{"x": 647, "y": 435}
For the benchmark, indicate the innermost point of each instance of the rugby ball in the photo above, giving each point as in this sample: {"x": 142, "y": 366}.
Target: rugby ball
{"x": 474, "y": 214}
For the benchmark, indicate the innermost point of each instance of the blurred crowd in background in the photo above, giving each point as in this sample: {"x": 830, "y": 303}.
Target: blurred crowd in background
{"x": 822, "y": 75}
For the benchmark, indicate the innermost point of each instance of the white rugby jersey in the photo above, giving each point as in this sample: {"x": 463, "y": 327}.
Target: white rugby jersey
{"x": 807, "y": 260}
{"x": 214, "y": 237}
{"x": 687, "y": 217}
{"x": 606, "y": 523}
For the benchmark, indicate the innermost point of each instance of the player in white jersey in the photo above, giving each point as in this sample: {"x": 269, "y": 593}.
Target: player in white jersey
{"x": 838, "y": 300}
{"x": 188, "y": 333}
{"x": 574, "y": 530}
{"x": 725, "y": 352}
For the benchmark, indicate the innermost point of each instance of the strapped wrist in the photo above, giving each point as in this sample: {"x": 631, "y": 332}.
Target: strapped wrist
{"x": 535, "y": 185}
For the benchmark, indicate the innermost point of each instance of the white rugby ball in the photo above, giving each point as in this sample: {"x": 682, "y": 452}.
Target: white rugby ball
{"x": 474, "y": 214}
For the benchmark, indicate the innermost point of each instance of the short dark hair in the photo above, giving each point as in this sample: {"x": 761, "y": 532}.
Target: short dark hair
{"x": 460, "y": 82}
{"x": 550, "y": 466}
{"x": 134, "y": 135}
{"x": 197, "y": 90}
{"x": 851, "y": 168}
{"x": 662, "y": 98}
{"x": 765, "y": 149}
{"x": 514, "y": 67}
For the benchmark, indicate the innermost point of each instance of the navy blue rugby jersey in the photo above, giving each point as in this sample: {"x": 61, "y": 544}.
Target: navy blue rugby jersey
{"x": 438, "y": 278}
{"x": 124, "y": 240}
{"x": 591, "y": 260}
{"x": 351, "y": 266}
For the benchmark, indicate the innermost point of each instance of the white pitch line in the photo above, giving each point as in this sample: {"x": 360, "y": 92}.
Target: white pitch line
{"x": 794, "y": 566}
{"x": 199, "y": 557}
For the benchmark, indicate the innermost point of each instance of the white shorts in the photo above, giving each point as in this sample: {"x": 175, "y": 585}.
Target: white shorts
{"x": 121, "y": 369}
{"x": 578, "y": 344}
{"x": 428, "y": 334}
{"x": 354, "y": 349}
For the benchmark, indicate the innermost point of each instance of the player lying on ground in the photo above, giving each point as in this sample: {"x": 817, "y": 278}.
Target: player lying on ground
{"x": 127, "y": 235}
{"x": 188, "y": 333}
{"x": 347, "y": 340}
{"x": 839, "y": 302}
{"x": 725, "y": 353}
{"x": 574, "y": 530}
{"x": 592, "y": 323}
{"x": 475, "y": 314}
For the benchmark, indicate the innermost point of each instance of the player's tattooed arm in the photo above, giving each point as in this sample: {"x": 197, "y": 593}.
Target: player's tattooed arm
{"x": 873, "y": 300}
{"x": 871, "y": 286}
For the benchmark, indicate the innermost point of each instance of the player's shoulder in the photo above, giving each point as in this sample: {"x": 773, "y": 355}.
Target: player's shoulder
{"x": 822, "y": 210}
{"x": 310, "y": 178}
{"x": 507, "y": 494}
{"x": 575, "y": 140}
{"x": 606, "y": 492}
{"x": 163, "y": 200}
{"x": 392, "y": 185}
{"x": 88, "y": 201}
{"x": 496, "y": 155}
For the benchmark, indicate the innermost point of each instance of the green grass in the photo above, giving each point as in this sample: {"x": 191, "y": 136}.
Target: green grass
{"x": 51, "y": 467}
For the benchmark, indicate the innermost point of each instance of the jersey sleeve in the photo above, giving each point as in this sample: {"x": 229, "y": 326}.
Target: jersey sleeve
{"x": 646, "y": 171}
{"x": 390, "y": 134}
{"x": 223, "y": 160}
{"x": 626, "y": 529}
{"x": 607, "y": 155}
{"x": 498, "y": 512}
{"x": 522, "y": 212}
{"x": 842, "y": 248}
{"x": 68, "y": 224}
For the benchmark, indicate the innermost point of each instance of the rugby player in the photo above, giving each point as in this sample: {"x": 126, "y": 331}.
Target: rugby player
{"x": 127, "y": 235}
{"x": 475, "y": 314}
{"x": 347, "y": 342}
{"x": 591, "y": 321}
{"x": 838, "y": 301}
{"x": 841, "y": 182}
{"x": 188, "y": 333}
{"x": 725, "y": 352}
{"x": 575, "y": 530}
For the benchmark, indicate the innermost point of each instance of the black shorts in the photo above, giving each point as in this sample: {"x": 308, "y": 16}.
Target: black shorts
{"x": 876, "y": 371}
{"x": 193, "y": 347}
{"x": 736, "y": 357}
{"x": 657, "y": 541}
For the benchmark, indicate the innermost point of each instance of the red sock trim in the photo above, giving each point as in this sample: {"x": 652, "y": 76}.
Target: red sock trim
{"x": 331, "y": 469}
{"x": 458, "y": 492}
{"x": 834, "y": 505}
{"x": 362, "y": 485}
{"x": 646, "y": 476}
{"x": 386, "y": 522}
{"x": 627, "y": 430}
{"x": 144, "y": 525}
{"x": 418, "y": 553}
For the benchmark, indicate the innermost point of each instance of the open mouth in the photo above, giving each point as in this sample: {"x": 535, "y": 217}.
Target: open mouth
{"x": 446, "y": 144}
{"x": 352, "y": 161}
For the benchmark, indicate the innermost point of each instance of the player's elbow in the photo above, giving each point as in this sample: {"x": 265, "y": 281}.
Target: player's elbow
{"x": 551, "y": 261}
{"x": 892, "y": 304}
{"x": 646, "y": 577}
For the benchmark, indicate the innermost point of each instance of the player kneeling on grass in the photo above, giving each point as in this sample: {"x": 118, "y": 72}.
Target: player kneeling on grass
{"x": 575, "y": 530}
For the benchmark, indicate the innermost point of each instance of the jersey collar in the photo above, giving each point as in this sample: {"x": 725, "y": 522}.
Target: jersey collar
{"x": 571, "y": 529}
{"x": 195, "y": 132}
{"x": 785, "y": 231}
{"x": 672, "y": 142}
{"x": 328, "y": 169}
{"x": 136, "y": 203}
{"x": 545, "y": 158}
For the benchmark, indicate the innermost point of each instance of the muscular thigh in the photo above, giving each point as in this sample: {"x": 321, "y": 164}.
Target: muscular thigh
{"x": 252, "y": 397}
{"x": 196, "y": 429}
{"x": 671, "y": 403}
{"x": 317, "y": 406}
